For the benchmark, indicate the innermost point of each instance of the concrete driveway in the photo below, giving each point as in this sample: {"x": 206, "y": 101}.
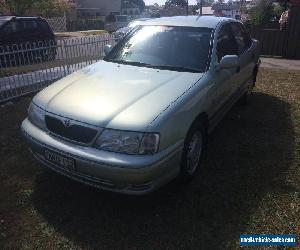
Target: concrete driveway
{"x": 279, "y": 63}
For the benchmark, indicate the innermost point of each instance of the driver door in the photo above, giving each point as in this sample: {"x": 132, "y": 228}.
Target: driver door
{"x": 224, "y": 80}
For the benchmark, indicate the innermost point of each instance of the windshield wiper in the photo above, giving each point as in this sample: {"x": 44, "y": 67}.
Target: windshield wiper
{"x": 177, "y": 68}
{"x": 131, "y": 63}
{"x": 163, "y": 67}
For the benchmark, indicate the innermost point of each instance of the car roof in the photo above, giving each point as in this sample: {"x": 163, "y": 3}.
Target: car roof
{"x": 189, "y": 21}
{"x": 5, "y": 19}
{"x": 142, "y": 19}
{"x": 18, "y": 17}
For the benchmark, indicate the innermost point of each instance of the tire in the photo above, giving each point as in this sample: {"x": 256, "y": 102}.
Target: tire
{"x": 195, "y": 146}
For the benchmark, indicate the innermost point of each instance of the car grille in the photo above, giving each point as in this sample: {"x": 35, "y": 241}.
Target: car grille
{"x": 72, "y": 132}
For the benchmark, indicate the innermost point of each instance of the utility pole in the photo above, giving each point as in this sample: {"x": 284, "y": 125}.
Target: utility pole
{"x": 187, "y": 7}
{"x": 200, "y": 7}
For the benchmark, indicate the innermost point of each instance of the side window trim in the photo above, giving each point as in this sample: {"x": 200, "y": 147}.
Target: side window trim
{"x": 244, "y": 33}
{"x": 248, "y": 37}
{"x": 226, "y": 27}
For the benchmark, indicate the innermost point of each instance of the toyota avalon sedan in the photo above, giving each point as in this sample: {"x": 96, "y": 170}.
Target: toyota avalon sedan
{"x": 141, "y": 117}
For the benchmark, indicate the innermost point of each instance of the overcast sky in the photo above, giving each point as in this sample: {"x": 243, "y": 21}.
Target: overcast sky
{"x": 161, "y": 2}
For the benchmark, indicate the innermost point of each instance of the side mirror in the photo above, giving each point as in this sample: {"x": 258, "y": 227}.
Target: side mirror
{"x": 229, "y": 61}
{"x": 107, "y": 49}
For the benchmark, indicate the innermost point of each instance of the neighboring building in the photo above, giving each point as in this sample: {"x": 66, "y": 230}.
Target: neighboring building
{"x": 206, "y": 11}
{"x": 130, "y": 9}
{"x": 227, "y": 10}
{"x": 98, "y": 7}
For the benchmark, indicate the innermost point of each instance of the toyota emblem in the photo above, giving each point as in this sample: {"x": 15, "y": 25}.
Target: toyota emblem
{"x": 67, "y": 123}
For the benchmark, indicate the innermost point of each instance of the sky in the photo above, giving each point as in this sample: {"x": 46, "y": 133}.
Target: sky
{"x": 161, "y": 2}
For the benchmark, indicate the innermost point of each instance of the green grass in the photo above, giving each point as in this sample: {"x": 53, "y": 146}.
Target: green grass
{"x": 61, "y": 35}
{"x": 250, "y": 184}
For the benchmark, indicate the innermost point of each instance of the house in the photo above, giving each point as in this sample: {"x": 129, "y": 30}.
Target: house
{"x": 227, "y": 10}
{"x": 88, "y": 8}
{"x": 131, "y": 9}
{"x": 206, "y": 11}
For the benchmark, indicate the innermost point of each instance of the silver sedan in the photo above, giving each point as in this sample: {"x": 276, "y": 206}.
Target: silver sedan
{"x": 141, "y": 117}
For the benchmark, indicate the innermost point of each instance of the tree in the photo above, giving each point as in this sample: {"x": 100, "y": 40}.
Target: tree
{"x": 139, "y": 3}
{"x": 278, "y": 9}
{"x": 18, "y": 7}
{"x": 51, "y": 7}
{"x": 44, "y": 7}
{"x": 181, "y": 3}
{"x": 262, "y": 12}
{"x": 206, "y": 3}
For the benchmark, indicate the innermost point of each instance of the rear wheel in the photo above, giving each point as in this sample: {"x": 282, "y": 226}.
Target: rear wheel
{"x": 193, "y": 152}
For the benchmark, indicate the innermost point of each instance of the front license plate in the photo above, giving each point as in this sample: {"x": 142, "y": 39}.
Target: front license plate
{"x": 60, "y": 160}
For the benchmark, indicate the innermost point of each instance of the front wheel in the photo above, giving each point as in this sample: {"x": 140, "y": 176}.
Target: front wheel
{"x": 194, "y": 148}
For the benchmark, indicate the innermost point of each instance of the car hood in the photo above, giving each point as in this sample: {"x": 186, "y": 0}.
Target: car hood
{"x": 114, "y": 95}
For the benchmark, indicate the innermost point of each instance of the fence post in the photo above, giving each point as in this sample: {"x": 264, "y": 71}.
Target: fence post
{"x": 65, "y": 49}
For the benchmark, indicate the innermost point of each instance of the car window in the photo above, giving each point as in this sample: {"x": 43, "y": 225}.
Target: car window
{"x": 30, "y": 25}
{"x": 247, "y": 36}
{"x": 2, "y": 22}
{"x": 12, "y": 27}
{"x": 44, "y": 26}
{"x": 226, "y": 44}
{"x": 180, "y": 48}
{"x": 240, "y": 37}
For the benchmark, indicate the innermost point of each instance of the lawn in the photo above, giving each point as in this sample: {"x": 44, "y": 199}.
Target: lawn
{"x": 250, "y": 184}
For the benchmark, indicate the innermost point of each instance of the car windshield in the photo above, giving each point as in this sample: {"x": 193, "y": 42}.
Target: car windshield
{"x": 164, "y": 47}
{"x": 133, "y": 24}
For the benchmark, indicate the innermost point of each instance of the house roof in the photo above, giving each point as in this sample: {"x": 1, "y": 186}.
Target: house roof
{"x": 189, "y": 21}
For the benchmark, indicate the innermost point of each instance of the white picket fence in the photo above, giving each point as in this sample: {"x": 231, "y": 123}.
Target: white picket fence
{"x": 26, "y": 68}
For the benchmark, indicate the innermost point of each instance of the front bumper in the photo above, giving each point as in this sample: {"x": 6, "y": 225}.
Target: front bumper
{"x": 130, "y": 174}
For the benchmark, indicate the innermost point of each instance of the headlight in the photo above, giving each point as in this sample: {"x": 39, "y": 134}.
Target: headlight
{"x": 36, "y": 116}
{"x": 128, "y": 142}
